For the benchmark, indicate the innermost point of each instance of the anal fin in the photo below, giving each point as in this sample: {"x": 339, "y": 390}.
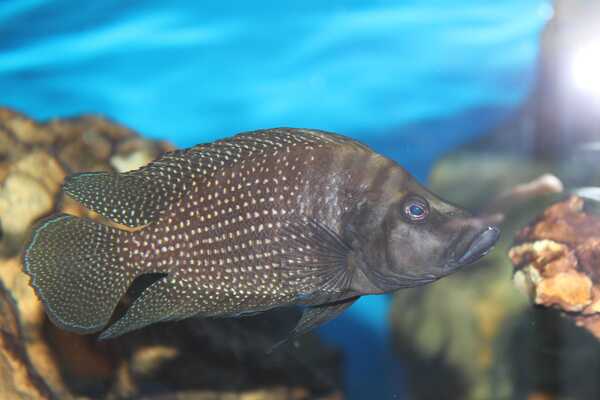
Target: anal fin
{"x": 164, "y": 300}
{"x": 315, "y": 316}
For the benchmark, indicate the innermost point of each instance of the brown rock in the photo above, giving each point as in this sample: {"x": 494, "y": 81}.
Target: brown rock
{"x": 25, "y": 130}
{"x": 31, "y": 314}
{"x": 147, "y": 360}
{"x": 557, "y": 261}
{"x": 9, "y": 145}
{"x": 594, "y": 307}
{"x": 81, "y": 358}
{"x": 590, "y": 323}
{"x": 563, "y": 222}
{"x": 27, "y": 193}
{"x": 570, "y": 291}
{"x": 588, "y": 254}
{"x": 18, "y": 377}
{"x": 541, "y": 396}
{"x": 88, "y": 154}
{"x": 541, "y": 254}
{"x": 273, "y": 393}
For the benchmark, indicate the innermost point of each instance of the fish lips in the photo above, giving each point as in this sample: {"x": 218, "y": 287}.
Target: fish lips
{"x": 467, "y": 249}
{"x": 480, "y": 245}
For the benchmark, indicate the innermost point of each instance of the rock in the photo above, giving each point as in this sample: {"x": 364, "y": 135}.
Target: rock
{"x": 588, "y": 255}
{"x": 32, "y": 319}
{"x": 27, "y": 193}
{"x": 196, "y": 358}
{"x": 25, "y": 130}
{"x": 557, "y": 259}
{"x": 279, "y": 393}
{"x": 147, "y": 360}
{"x": 226, "y": 346}
{"x": 548, "y": 273}
{"x": 571, "y": 291}
{"x": 18, "y": 377}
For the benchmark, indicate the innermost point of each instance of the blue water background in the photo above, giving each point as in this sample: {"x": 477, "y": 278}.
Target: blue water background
{"x": 414, "y": 79}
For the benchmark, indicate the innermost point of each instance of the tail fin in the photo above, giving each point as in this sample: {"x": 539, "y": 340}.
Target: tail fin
{"x": 80, "y": 270}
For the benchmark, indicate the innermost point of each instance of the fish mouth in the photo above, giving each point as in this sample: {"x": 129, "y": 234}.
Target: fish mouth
{"x": 480, "y": 245}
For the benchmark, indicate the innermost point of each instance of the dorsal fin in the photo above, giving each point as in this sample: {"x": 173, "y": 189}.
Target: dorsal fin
{"x": 138, "y": 197}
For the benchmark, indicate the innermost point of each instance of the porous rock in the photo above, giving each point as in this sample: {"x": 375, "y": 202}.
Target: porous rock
{"x": 18, "y": 377}
{"x": 557, "y": 261}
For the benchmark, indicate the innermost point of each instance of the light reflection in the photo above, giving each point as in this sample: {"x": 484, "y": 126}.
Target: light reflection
{"x": 585, "y": 69}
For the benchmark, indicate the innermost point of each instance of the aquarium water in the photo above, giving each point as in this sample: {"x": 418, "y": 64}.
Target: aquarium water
{"x": 413, "y": 79}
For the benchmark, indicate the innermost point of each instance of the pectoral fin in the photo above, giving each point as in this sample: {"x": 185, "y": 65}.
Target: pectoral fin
{"x": 317, "y": 251}
{"x": 314, "y": 316}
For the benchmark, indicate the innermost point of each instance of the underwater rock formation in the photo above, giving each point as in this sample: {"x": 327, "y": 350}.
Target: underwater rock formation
{"x": 557, "y": 262}
{"x": 194, "y": 359}
{"x": 18, "y": 378}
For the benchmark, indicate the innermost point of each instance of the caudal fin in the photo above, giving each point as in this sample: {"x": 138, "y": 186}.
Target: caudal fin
{"x": 80, "y": 270}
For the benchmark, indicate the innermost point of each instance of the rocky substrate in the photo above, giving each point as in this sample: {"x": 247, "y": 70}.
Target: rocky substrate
{"x": 557, "y": 262}
{"x": 192, "y": 359}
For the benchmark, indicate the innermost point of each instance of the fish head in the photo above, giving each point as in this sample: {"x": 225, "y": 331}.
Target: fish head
{"x": 413, "y": 237}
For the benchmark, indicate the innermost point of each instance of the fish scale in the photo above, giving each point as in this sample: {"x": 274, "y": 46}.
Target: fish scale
{"x": 246, "y": 205}
{"x": 250, "y": 204}
{"x": 264, "y": 219}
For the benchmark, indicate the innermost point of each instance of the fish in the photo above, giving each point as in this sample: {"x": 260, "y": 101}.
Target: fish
{"x": 261, "y": 220}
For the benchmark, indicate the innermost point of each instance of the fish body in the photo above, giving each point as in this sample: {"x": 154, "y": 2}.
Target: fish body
{"x": 261, "y": 220}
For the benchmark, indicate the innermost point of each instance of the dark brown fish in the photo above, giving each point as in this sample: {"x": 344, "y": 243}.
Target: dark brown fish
{"x": 261, "y": 220}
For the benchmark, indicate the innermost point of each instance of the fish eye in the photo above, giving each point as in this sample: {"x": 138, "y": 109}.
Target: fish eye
{"x": 415, "y": 209}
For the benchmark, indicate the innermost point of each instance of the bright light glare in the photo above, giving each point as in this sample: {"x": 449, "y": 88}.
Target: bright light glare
{"x": 585, "y": 69}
